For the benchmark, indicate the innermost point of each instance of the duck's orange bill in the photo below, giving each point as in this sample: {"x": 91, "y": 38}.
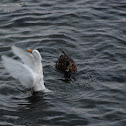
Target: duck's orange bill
{"x": 30, "y": 50}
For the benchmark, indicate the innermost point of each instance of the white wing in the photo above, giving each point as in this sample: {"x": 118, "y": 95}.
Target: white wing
{"x": 25, "y": 56}
{"x": 19, "y": 71}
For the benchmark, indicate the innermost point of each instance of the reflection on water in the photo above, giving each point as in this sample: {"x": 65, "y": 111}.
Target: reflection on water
{"x": 92, "y": 32}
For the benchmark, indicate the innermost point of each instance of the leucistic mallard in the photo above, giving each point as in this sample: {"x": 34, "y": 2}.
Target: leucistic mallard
{"x": 65, "y": 63}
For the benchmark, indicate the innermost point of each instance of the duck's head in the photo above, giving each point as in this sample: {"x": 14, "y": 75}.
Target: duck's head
{"x": 36, "y": 54}
{"x": 71, "y": 67}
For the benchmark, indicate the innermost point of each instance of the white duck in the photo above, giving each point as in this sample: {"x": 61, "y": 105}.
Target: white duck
{"x": 30, "y": 71}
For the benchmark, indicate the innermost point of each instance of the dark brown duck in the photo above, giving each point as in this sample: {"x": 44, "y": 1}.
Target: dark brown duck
{"x": 65, "y": 63}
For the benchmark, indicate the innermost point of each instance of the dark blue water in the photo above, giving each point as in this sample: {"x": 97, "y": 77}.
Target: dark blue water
{"x": 93, "y": 33}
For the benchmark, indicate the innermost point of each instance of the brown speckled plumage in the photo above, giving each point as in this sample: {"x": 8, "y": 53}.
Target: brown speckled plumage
{"x": 65, "y": 63}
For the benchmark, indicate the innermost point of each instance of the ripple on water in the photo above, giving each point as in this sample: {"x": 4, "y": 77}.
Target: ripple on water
{"x": 93, "y": 34}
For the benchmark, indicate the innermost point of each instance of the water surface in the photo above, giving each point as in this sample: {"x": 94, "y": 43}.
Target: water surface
{"x": 93, "y": 33}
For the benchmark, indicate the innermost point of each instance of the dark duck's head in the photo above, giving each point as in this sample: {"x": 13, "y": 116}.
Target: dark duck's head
{"x": 65, "y": 63}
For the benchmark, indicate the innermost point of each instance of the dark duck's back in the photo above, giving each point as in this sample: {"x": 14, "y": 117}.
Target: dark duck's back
{"x": 65, "y": 63}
